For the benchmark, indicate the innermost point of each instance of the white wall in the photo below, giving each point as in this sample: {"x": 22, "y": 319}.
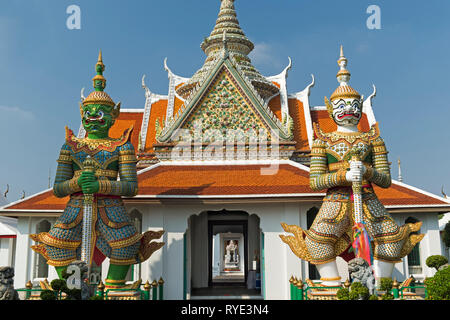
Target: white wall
{"x": 430, "y": 244}
{"x": 6, "y": 245}
{"x": 280, "y": 262}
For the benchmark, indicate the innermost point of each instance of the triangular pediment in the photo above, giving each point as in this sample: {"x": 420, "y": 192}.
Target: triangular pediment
{"x": 224, "y": 102}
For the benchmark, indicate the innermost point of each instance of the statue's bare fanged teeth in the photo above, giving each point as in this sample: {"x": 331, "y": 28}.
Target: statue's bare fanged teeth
{"x": 345, "y": 115}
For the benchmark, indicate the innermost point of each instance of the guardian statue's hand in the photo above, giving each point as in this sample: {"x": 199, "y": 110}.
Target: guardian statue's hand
{"x": 88, "y": 182}
{"x": 356, "y": 172}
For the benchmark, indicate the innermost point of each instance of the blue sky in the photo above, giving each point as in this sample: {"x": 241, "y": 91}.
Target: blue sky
{"x": 44, "y": 65}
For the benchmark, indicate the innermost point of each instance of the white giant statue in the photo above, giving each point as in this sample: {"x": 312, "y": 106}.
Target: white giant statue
{"x": 346, "y": 214}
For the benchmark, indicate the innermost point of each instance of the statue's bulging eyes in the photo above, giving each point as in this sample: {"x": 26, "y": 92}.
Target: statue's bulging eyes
{"x": 100, "y": 113}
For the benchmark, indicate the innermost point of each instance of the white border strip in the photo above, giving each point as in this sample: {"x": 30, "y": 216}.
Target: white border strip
{"x": 234, "y": 196}
{"x": 132, "y": 110}
{"x": 223, "y": 163}
{"x": 426, "y": 193}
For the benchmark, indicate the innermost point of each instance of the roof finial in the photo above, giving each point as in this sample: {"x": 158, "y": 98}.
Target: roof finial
{"x": 344, "y": 90}
{"x": 400, "y": 178}
{"x": 99, "y": 80}
{"x": 225, "y": 44}
{"x": 343, "y": 75}
{"x": 99, "y": 96}
{"x": 7, "y": 190}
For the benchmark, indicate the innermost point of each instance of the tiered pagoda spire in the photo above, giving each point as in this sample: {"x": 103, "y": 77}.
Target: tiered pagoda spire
{"x": 238, "y": 46}
{"x": 343, "y": 77}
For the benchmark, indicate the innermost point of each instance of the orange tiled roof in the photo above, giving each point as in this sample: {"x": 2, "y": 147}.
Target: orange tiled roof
{"x": 232, "y": 180}
{"x": 222, "y": 180}
{"x": 401, "y": 195}
{"x": 126, "y": 120}
{"x": 177, "y": 105}
{"x": 158, "y": 112}
{"x": 296, "y": 111}
{"x": 275, "y": 106}
{"x": 42, "y": 201}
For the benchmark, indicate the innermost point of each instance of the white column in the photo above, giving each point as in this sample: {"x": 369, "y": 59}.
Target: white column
{"x": 153, "y": 219}
{"x": 173, "y": 261}
{"x": 22, "y": 267}
{"x": 431, "y": 243}
{"x": 4, "y": 245}
{"x": 280, "y": 262}
{"x": 175, "y": 223}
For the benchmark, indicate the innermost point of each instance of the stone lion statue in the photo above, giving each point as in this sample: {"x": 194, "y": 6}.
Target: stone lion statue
{"x": 360, "y": 271}
{"x": 7, "y": 291}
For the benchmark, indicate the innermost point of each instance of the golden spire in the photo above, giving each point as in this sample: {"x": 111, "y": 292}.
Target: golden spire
{"x": 400, "y": 177}
{"x": 236, "y": 46}
{"x": 344, "y": 91}
{"x": 98, "y": 96}
{"x": 100, "y": 59}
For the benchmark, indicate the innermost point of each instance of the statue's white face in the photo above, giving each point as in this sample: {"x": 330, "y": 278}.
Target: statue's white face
{"x": 347, "y": 112}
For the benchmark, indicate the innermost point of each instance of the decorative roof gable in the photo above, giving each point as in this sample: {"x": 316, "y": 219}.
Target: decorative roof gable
{"x": 223, "y": 100}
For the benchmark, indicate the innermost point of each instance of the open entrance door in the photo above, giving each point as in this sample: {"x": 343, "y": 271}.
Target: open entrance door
{"x": 227, "y": 252}
{"x": 223, "y": 255}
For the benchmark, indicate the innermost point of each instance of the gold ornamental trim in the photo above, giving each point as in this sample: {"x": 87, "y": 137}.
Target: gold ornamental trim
{"x": 49, "y": 240}
{"x": 127, "y": 158}
{"x": 115, "y": 281}
{"x": 99, "y": 97}
{"x": 330, "y": 279}
{"x": 122, "y": 262}
{"x": 344, "y": 92}
{"x": 343, "y": 165}
{"x": 60, "y": 263}
{"x": 296, "y": 242}
{"x": 99, "y": 173}
{"x": 349, "y": 137}
{"x": 70, "y": 225}
{"x": 64, "y": 158}
{"x": 93, "y": 146}
{"x": 146, "y": 250}
{"x": 125, "y": 242}
{"x": 108, "y": 222}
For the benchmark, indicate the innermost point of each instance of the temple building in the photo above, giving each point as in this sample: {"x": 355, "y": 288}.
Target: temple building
{"x": 223, "y": 159}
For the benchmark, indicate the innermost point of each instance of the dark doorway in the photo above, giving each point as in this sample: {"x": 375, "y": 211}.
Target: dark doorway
{"x": 310, "y": 216}
{"x": 233, "y": 255}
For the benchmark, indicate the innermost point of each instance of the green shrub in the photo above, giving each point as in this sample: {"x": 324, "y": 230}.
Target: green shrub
{"x": 73, "y": 294}
{"x": 386, "y": 284}
{"x": 436, "y": 261}
{"x": 58, "y": 285}
{"x": 373, "y": 297}
{"x": 343, "y": 294}
{"x": 65, "y": 274}
{"x": 358, "y": 291}
{"x": 48, "y": 295}
{"x": 439, "y": 286}
{"x": 387, "y": 296}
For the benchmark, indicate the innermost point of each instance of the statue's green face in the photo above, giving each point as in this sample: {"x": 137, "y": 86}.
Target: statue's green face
{"x": 97, "y": 120}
